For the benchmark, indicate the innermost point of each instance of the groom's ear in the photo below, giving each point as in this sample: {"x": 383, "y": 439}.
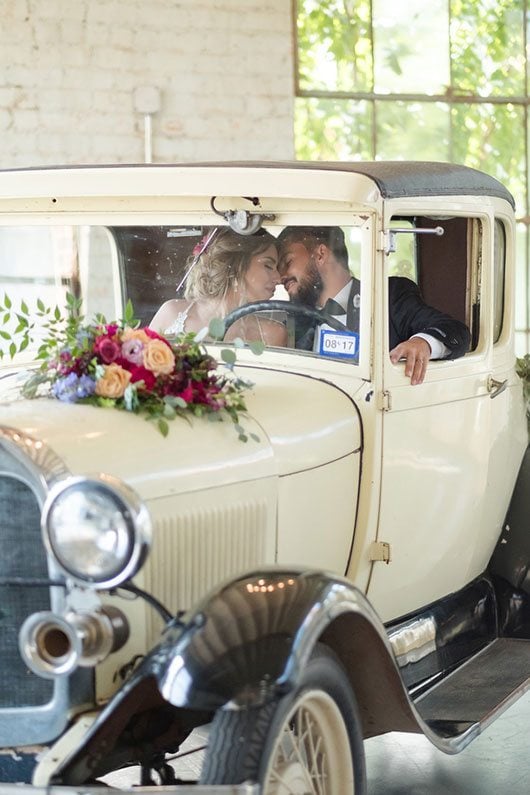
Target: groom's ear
{"x": 321, "y": 255}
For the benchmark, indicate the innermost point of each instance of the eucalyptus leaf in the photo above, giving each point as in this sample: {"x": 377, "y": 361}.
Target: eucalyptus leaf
{"x": 217, "y": 328}
{"x": 163, "y": 427}
{"x": 257, "y": 347}
{"x": 228, "y": 356}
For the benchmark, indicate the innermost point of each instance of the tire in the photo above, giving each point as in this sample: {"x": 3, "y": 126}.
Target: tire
{"x": 309, "y": 741}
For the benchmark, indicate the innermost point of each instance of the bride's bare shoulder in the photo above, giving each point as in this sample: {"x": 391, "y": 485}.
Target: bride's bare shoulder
{"x": 167, "y": 313}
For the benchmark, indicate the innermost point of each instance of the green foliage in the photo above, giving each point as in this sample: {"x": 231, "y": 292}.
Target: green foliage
{"x": 334, "y": 46}
{"x": 333, "y": 129}
{"x": 487, "y": 47}
{"x": 347, "y": 49}
{"x": 523, "y": 371}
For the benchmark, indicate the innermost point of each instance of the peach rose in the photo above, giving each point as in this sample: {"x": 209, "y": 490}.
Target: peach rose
{"x": 135, "y": 334}
{"x": 158, "y": 357}
{"x": 113, "y": 382}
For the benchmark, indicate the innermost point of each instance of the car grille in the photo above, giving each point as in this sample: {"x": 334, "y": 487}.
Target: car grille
{"x": 22, "y": 555}
{"x": 196, "y": 550}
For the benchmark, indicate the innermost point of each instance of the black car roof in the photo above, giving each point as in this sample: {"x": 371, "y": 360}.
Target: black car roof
{"x": 398, "y": 178}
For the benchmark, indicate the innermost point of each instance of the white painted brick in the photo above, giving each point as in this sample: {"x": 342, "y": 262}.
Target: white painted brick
{"x": 69, "y": 69}
{"x": 6, "y": 119}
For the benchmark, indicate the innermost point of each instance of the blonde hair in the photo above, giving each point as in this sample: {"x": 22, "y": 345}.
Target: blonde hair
{"x": 224, "y": 262}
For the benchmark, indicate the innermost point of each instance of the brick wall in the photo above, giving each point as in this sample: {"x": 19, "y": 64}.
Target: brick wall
{"x": 70, "y": 71}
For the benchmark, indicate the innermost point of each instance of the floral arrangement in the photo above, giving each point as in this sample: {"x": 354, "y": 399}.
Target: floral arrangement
{"x": 124, "y": 366}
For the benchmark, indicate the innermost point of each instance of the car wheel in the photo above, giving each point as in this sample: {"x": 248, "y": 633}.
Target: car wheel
{"x": 309, "y": 741}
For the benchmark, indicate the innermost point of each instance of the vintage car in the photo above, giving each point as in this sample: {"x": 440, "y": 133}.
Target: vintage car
{"x": 352, "y": 560}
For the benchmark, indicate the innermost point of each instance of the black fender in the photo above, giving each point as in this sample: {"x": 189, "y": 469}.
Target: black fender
{"x": 243, "y": 645}
{"x": 249, "y": 640}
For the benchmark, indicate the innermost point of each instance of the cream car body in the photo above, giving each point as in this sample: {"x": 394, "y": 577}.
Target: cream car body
{"x": 398, "y": 494}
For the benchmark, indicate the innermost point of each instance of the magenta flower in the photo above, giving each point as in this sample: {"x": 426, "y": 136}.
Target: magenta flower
{"x": 107, "y": 349}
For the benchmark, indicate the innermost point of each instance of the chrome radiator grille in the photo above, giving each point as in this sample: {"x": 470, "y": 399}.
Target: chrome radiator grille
{"x": 22, "y": 555}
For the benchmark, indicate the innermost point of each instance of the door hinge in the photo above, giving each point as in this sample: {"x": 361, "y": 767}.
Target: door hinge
{"x": 380, "y": 550}
{"x": 385, "y": 400}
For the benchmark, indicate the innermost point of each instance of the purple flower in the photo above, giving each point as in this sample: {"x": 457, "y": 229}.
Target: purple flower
{"x": 85, "y": 386}
{"x": 73, "y": 387}
{"x": 133, "y": 350}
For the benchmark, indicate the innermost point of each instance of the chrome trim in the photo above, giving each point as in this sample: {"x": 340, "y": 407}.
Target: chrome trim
{"x": 41, "y": 461}
{"x": 36, "y": 465}
{"x": 134, "y": 510}
{"x": 412, "y": 642}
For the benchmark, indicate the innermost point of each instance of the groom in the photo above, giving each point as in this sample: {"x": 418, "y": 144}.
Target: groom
{"x": 314, "y": 269}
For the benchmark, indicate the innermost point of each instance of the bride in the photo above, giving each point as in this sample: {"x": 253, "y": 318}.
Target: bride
{"x": 227, "y": 270}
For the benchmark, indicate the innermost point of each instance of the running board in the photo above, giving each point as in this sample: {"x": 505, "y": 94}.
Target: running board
{"x": 477, "y": 692}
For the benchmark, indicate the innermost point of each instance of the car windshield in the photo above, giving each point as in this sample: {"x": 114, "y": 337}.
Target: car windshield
{"x": 269, "y": 286}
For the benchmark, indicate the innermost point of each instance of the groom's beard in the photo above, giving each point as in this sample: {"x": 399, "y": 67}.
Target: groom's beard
{"x": 310, "y": 287}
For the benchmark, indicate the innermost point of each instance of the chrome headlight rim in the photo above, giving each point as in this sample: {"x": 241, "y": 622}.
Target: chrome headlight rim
{"x": 133, "y": 512}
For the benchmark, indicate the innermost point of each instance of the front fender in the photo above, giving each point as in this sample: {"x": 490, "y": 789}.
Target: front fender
{"x": 248, "y": 640}
{"x": 243, "y": 645}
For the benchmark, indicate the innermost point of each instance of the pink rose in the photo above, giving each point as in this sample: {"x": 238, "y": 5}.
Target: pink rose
{"x": 107, "y": 349}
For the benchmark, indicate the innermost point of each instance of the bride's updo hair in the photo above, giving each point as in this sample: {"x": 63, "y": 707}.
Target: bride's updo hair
{"x": 222, "y": 265}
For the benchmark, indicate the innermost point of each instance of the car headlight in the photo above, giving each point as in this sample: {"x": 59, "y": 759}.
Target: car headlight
{"x": 96, "y": 529}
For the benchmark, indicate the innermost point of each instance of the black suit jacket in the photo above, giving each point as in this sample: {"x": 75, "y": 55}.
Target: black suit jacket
{"x": 408, "y": 315}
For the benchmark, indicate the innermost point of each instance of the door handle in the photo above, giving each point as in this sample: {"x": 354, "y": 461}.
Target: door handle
{"x": 496, "y": 387}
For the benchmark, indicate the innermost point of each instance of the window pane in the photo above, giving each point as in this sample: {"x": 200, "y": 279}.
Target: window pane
{"x": 499, "y": 263}
{"x": 521, "y": 291}
{"x": 412, "y": 131}
{"x": 491, "y": 138}
{"x": 44, "y": 263}
{"x": 411, "y": 53}
{"x": 333, "y": 129}
{"x": 487, "y": 47}
{"x": 402, "y": 261}
{"x": 334, "y": 45}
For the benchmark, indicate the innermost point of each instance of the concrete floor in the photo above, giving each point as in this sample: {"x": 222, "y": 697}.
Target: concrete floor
{"x": 496, "y": 763}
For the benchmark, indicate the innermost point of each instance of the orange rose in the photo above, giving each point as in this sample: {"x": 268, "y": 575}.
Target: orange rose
{"x": 113, "y": 382}
{"x": 135, "y": 334}
{"x": 158, "y": 357}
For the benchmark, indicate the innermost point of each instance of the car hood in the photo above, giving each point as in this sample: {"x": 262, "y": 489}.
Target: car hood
{"x": 301, "y": 423}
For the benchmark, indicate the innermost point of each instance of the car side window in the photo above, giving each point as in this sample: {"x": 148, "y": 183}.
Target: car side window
{"x": 445, "y": 265}
{"x": 499, "y": 264}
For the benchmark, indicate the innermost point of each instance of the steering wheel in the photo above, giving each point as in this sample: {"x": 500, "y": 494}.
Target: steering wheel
{"x": 299, "y": 310}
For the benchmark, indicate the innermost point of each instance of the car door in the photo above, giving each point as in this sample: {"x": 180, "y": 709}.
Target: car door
{"x": 436, "y": 436}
